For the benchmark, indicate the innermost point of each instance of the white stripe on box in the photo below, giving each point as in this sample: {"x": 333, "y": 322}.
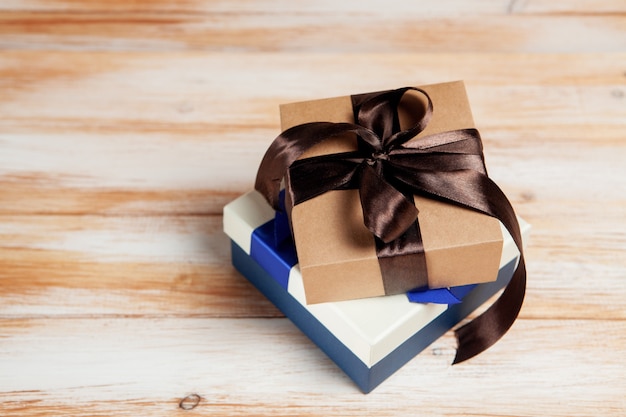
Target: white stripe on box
{"x": 371, "y": 328}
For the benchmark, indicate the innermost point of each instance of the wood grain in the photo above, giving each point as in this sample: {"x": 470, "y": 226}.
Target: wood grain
{"x": 71, "y": 152}
{"x": 179, "y": 266}
{"x": 126, "y": 126}
{"x": 237, "y": 367}
{"x": 122, "y": 266}
{"x": 280, "y": 26}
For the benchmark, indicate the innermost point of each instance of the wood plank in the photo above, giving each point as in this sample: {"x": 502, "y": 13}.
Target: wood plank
{"x": 199, "y": 91}
{"x": 586, "y": 7}
{"x": 440, "y": 8}
{"x": 238, "y": 367}
{"x": 90, "y": 265}
{"x": 405, "y": 28}
{"x": 118, "y": 150}
{"x": 76, "y": 266}
{"x": 160, "y": 174}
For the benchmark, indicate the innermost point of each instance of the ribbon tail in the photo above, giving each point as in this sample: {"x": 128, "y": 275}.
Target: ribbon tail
{"x": 474, "y": 190}
{"x": 490, "y": 326}
{"x": 485, "y": 330}
{"x": 386, "y": 211}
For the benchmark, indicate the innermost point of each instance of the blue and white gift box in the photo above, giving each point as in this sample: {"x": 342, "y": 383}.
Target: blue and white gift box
{"x": 371, "y": 338}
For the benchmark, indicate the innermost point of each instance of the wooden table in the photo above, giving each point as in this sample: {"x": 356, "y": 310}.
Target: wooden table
{"x": 126, "y": 126}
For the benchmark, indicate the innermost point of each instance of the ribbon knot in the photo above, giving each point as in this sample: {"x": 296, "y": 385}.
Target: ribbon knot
{"x": 447, "y": 166}
{"x": 377, "y": 157}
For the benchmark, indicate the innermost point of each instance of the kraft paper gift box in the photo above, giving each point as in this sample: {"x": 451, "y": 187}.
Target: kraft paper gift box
{"x": 461, "y": 246}
{"x": 369, "y": 339}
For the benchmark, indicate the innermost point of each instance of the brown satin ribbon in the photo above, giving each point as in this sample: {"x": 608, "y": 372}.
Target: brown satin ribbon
{"x": 402, "y": 261}
{"x": 387, "y": 170}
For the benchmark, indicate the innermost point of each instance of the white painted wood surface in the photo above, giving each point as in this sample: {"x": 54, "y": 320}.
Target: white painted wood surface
{"x": 126, "y": 126}
{"x": 145, "y": 366}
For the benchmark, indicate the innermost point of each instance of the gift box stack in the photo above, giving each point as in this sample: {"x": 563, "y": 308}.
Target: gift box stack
{"x": 375, "y": 229}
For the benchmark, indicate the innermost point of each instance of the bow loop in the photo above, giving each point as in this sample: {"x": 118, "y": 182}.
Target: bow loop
{"x": 380, "y": 116}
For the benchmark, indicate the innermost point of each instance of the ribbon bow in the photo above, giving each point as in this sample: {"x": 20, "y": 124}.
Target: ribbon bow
{"x": 387, "y": 170}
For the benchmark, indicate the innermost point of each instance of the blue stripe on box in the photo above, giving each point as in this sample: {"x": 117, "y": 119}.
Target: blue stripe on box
{"x": 452, "y": 295}
{"x": 366, "y": 378}
{"x": 277, "y": 261}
